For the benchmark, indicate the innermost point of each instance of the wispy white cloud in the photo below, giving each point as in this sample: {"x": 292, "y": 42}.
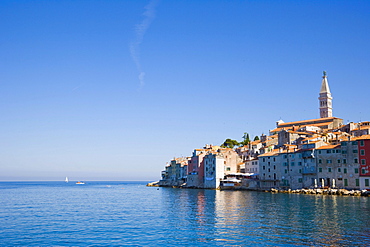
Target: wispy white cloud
{"x": 140, "y": 30}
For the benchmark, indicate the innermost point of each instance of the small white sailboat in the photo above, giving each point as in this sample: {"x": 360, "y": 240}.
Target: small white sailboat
{"x": 66, "y": 180}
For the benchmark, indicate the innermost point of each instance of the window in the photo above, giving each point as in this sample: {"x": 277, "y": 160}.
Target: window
{"x": 299, "y": 180}
{"x": 355, "y": 161}
{"x": 337, "y": 151}
{"x": 362, "y": 143}
{"x": 292, "y": 163}
{"x": 263, "y": 160}
{"x": 344, "y": 161}
{"x": 363, "y": 162}
{"x": 339, "y": 170}
{"x": 345, "y": 182}
{"x": 285, "y": 164}
{"x": 354, "y": 143}
{"x": 274, "y": 159}
{"x": 263, "y": 167}
{"x": 366, "y": 182}
{"x": 328, "y": 161}
{"x": 284, "y": 156}
{"x": 328, "y": 151}
{"x": 356, "y": 170}
{"x": 319, "y": 151}
{"x": 274, "y": 167}
{"x": 363, "y": 171}
{"x": 344, "y": 170}
{"x": 320, "y": 161}
{"x": 357, "y": 182}
{"x": 338, "y": 161}
{"x": 300, "y": 163}
{"x": 227, "y": 168}
{"x": 329, "y": 169}
{"x": 269, "y": 169}
{"x": 362, "y": 152}
{"x": 320, "y": 169}
{"x": 355, "y": 151}
{"x": 300, "y": 170}
{"x": 286, "y": 171}
{"x": 344, "y": 151}
{"x": 344, "y": 143}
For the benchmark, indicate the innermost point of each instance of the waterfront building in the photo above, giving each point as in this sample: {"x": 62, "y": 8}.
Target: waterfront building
{"x": 306, "y": 163}
{"x": 270, "y": 169}
{"x": 218, "y": 164}
{"x": 348, "y": 175}
{"x": 195, "y": 177}
{"x": 196, "y": 168}
{"x": 214, "y": 169}
{"x": 364, "y": 158}
{"x": 338, "y": 165}
{"x": 175, "y": 173}
{"x": 251, "y": 166}
{"x": 328, "y": 161}
{"x": 292, "y": 168}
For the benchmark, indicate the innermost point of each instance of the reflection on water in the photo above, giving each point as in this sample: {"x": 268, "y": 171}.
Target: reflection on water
{"x": 255, "y": 218}
{"x": 53, "y": 214}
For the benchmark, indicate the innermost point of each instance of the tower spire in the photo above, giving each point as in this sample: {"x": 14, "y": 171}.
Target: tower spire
{"x": 325, "y": 99}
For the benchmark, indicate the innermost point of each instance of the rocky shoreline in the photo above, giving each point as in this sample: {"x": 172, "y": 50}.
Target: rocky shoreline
{"x": 328, "y": 191}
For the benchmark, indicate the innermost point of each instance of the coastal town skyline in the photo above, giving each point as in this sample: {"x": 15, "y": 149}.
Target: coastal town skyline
{"x": 311, "y": 156}
{"x": 114, "y": 90}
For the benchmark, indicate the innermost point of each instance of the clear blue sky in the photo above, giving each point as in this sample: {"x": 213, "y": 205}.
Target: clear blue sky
{"x": 112, "y": 90}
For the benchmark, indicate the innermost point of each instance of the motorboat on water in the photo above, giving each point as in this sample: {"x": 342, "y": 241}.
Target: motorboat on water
{"x": 80, "y": 182}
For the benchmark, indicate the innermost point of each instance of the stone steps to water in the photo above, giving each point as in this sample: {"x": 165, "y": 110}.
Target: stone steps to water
{"x": 341, "y": 192}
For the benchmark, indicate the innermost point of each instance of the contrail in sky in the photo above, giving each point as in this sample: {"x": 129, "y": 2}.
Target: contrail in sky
{"x": 140, "y": 30}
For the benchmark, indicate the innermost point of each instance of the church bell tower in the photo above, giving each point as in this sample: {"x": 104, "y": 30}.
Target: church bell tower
{"x": 326, "y": 109}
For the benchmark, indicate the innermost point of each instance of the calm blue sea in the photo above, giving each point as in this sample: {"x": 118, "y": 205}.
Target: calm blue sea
{"x": 129, "y": 213}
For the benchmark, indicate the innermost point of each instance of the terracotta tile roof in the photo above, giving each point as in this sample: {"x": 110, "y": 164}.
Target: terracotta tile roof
{"x": 268, "y": 154}
{"x": 328, "y": 119}
{"x": 255, "y": 142}
{"x": 363, "y": 137}
{"x": 329, "y": 147}
{"x": 362, "y": 127}
{"x": 276, "y": 129}
{"x": 319, "y": 124}
{"x": 310, "y": 138}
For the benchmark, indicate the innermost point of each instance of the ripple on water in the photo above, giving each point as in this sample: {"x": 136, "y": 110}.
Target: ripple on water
{"x": 102, "y": 213}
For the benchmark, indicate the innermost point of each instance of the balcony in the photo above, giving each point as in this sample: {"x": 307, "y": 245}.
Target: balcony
{"x": 309, "y": 170}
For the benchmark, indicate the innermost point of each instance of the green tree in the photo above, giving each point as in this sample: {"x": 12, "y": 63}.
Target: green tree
{"x": 256, "y": 138}
{"x": 246, "y": 139}
{"x": 229, "y": 143}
